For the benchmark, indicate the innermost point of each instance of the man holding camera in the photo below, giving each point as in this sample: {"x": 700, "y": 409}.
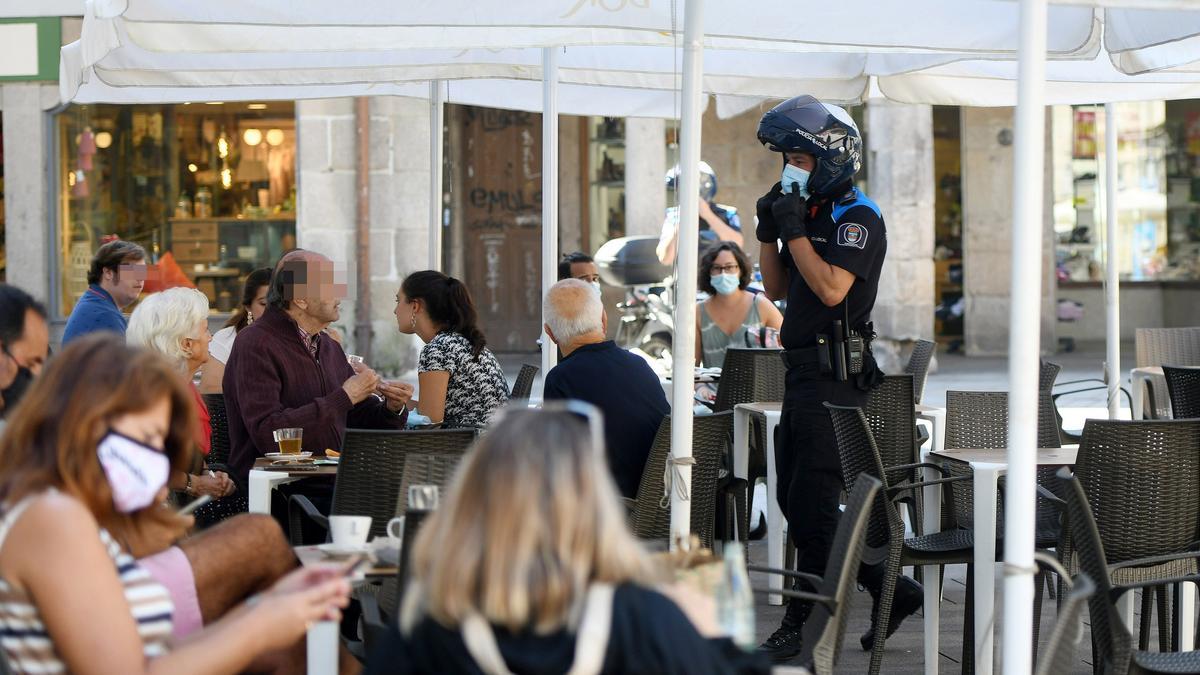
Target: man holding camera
{"x": 823, "y": 245}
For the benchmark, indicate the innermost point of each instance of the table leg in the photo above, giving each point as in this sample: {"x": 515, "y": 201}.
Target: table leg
{"x": 985, "y": 488}
{"x": 741, "y": 443}
{"x": 259, "y": 488}
{"x": 939, "y": 429}
{"x": 1137, "y": 385}
{"x": 1187, "y": 616}
{"x": 776, "y": 532}
{"x": 931, "y": 522}
{"x": 323, "y": 648}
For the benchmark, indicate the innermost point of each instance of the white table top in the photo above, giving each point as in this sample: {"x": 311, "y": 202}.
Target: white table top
{"x": 1064, "y": 456}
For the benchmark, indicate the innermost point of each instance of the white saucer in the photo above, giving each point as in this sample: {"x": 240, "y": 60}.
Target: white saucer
{"x": 343, "y": 550}
{"x": 288, "y": 455}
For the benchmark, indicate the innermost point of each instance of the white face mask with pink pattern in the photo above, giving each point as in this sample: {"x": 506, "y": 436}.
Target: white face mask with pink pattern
{"x": 135, "y": 471}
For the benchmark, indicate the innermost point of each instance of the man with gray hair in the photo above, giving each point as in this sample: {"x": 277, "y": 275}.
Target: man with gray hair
{"x": 594, "y": 369}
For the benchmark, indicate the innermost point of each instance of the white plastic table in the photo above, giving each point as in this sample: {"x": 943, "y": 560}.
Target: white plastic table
{"x": 322, "y": 638}
{"x": 936, "y": 416}
{"x": 776, "y": 527}
{"x": 987, "y": 465}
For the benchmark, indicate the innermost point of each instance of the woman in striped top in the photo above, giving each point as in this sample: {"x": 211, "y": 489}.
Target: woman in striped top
{"x": 83, "y": 467}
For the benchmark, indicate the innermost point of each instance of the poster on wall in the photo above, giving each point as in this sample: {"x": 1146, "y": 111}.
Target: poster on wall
{"x": 1084, "y": 146}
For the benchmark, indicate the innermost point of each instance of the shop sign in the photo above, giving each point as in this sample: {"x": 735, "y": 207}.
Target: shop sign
{"x": 29, "y": 48}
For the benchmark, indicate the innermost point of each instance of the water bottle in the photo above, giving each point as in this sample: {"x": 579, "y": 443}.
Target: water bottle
{"x": 735, "y": 599}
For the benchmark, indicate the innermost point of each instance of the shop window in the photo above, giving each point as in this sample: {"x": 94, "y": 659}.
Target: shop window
{"x": 207, "y": 189}
{"x": 1158, "y": 199}
{"x": 3, "y": 245}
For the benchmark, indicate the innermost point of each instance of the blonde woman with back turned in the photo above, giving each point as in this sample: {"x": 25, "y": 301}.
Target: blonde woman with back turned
{"x": 528, "y": 568}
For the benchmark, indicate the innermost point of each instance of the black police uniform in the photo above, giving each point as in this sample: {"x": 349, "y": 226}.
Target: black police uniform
{"x": 847, "y": 232}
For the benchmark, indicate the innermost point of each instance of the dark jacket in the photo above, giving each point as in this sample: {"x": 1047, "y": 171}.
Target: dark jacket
{"x": 649, "y": 634}
{"x": 95, "y": 311}
{"x": 272, "y": 382}
{"x": 627, "y": 391}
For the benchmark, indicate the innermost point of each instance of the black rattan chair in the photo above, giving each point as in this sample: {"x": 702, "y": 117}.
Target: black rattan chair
{"x": 1061, "y": 651}
{"x": 523, "y": 386}
{"x": 428, "y": 466}
{"x": 370, "y": 475}
{"x": 651, "y": 517}
{"x": 218, "y": 460}
{"x": 885, "y": 530}
{"x": 826, "y": 625}
{"x": 1183, "y": 384}
{"x": 1142, "y": 479}
{"x": 1112, "y": 645}
{"x": 918, "y": 366}
{"x": 890, "y": 412}
{"x": 749, "y": 375}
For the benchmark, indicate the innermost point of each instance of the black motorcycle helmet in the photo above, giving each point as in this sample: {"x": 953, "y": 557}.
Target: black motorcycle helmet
{"x": 804, "y": 124}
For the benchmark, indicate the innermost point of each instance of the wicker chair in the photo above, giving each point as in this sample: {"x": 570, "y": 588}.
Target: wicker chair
{"x": 1142, "y": 479}
{"x": 918, "y": 366}
{"x": 651, "y": 517}
{"x": 1112, "y": 645}
{"x": 1060, "y": 655}
{"x": 523, "y": 386}
{"x": 1183, "y": 384}
{"x": 218, "y": 460}
{"x": 885, "y": 530}
{"x": 826, "y": 626}
{"x": 750, "y": 375}
{"x": 371, "y": 474}
{"x": 892, "y": 418}
{"x": 1160, "y": 346}
{"x": 428, "y": 466}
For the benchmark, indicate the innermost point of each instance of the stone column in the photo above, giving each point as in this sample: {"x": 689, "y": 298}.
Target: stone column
{"x": 987, "y": 184}
{"x": 399, "y": 207}
{"x": 900, "y": 181}
{"x": 570, "y": 164}
{"x": 645, "y": 167}
{"x": 27, "y": 196}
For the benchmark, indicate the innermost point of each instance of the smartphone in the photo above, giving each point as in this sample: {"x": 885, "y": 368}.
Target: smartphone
{"x": 195, "y": 504}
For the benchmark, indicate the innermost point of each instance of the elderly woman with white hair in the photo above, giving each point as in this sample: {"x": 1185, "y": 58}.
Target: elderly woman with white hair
{"x": 174, "y": 323}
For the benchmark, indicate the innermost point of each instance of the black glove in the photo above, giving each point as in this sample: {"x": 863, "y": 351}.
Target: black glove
{"x": 789, "y": 215}
{"x": 767, "y": 231}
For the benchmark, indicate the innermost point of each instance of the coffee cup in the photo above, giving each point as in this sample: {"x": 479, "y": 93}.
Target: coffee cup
{"x": 395, "y": 527}
{"x": 350, "y": 530}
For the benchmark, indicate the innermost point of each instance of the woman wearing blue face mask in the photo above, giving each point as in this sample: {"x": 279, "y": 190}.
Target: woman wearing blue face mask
{"x": 83, "y": 474}
{"x": 730, "y": 311}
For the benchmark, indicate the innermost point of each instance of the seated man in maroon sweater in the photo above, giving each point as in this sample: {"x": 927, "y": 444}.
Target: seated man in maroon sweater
{"x": 285, "y": 372}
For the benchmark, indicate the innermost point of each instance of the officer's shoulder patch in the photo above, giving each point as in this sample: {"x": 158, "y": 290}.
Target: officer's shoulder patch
{"x": 852, "y": 235}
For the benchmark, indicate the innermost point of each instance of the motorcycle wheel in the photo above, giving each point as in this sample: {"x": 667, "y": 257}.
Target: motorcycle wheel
{"x": 657, "y": 346}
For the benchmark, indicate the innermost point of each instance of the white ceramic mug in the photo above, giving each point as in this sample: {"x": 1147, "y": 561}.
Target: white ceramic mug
{"x": 395, "y": 527}
{"x": 350, "y": 530}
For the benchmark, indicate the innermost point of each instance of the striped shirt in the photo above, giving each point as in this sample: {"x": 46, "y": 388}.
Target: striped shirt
{"x": 27, "y": 645}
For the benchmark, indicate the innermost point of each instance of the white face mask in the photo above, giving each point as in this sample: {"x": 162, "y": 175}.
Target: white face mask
{"x": 794, "y": 174}
{"x": 135, "y": 471}
{"x": 725, "y": 283}
{"x": 595, "y": 286}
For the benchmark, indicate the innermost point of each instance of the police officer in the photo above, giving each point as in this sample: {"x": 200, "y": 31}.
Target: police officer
{"x": 718, "y": 222}
{"x": 833, "y": 245}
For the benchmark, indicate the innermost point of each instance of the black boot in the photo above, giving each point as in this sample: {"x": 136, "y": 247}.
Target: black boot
{"x": 785, "y": 643}
{"x": 907, "y": 599}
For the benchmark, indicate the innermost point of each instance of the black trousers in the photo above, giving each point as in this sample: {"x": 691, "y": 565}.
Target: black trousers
{"x": 808, "y": 470}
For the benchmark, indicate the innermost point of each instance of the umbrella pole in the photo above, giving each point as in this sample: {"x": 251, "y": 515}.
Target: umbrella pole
{"x": 1112, "y": 285}
{"x": 549, "y": 189}
{"x": 436, "y": 123}
{"x": 1023, "y": 351}
{"x": 683, "y": 347}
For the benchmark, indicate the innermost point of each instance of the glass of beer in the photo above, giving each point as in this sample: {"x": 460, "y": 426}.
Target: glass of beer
{"x": 289, "y": 440}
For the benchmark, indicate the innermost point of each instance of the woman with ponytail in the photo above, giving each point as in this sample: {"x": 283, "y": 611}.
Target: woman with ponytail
{"x": 461, "y": 383}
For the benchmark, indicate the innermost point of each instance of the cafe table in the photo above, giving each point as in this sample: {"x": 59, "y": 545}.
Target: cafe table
{"x": 322, "y": 640}
{"x": 265, "y": 476}
{"x": 776, "y": 528}
{"x": 987, "y": 466}
{"x": 1139, "y": 379}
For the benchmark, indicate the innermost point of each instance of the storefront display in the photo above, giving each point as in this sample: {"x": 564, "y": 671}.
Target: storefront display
{"x": 1158, "y": 198}
{"x": 208, "y": 189}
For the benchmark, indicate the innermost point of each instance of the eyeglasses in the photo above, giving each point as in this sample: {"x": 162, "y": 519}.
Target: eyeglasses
{"x": 731, "y": 268}
{"x": 586, "y": 412}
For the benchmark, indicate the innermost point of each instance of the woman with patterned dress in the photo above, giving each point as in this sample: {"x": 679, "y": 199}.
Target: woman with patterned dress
{"x": 83, "y": 473}
{"x": 461, "y": 383}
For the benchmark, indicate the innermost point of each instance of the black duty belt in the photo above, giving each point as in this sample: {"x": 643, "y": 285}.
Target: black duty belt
{"x": 795, "y": 358}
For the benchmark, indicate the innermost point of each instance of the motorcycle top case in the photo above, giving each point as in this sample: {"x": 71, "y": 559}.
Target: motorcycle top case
{"x": 631, "y": 261}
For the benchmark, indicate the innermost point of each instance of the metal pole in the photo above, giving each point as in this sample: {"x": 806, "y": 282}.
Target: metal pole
{"x": 549, "y": 189}
{"x": 436, "y": 122}
{"x": 683, "y": 346}
{"x": 1023, "y": 349}
{"x": 362, "y": 228}
{"x": 1112, "y": 285}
